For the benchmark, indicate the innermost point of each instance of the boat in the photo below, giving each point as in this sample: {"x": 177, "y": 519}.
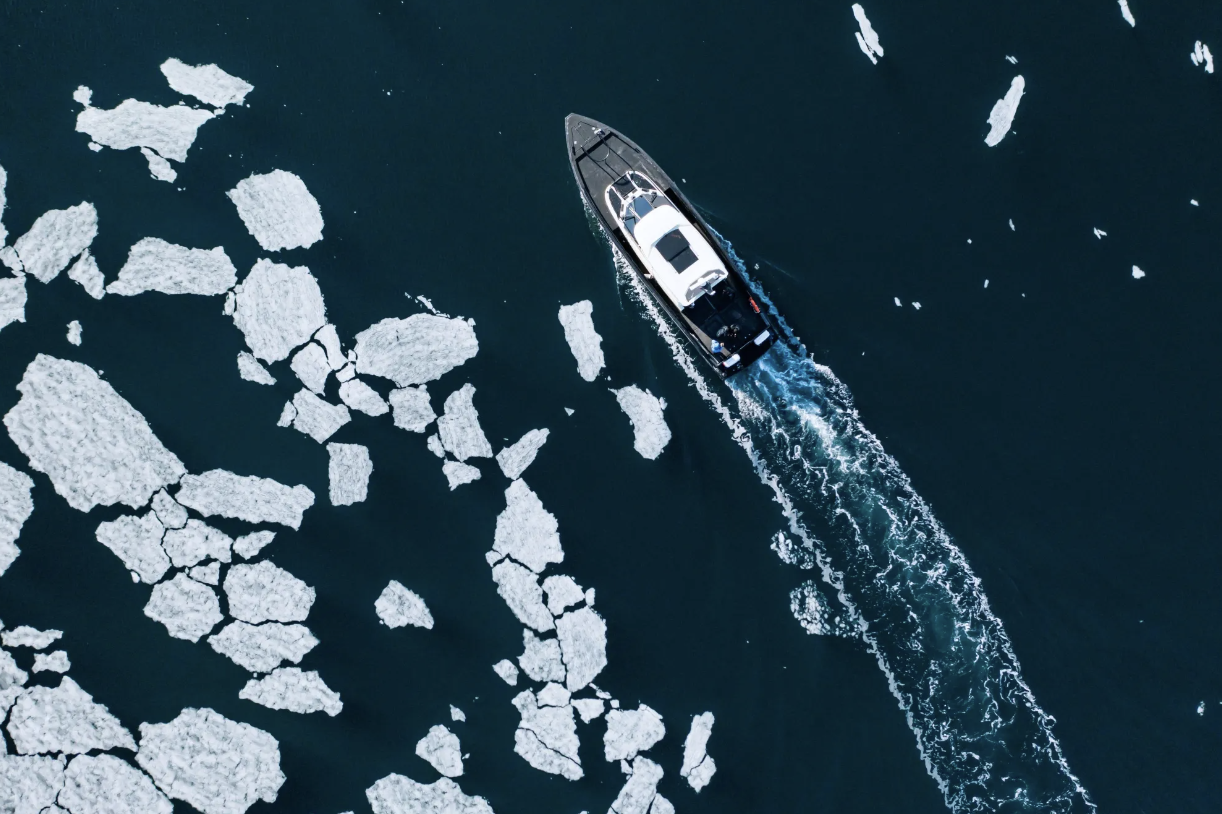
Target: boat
{"x": 680, "y": 260}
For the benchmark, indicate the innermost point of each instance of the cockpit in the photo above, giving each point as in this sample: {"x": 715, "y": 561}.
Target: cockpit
{"x": 632, "y": 197}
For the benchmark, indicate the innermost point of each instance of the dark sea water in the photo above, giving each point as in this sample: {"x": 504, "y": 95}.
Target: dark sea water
{"x": 1049, "y": 508}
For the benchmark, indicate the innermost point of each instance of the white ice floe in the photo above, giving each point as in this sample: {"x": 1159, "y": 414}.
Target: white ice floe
{"x": 294, "y": 690}
{"x": 547, "y": 737}
{"x": 459, "y": 429}
{"x": 159, "y": 168}
{"x": 74, "y": 333}
{"x": 583, "y": 641}
{"x": 107, "y": 785}
{"x": 250, "y": 369}
{"x": 525, "y": 531}
{"x": 1099, "y": 233}
{"x": 630, "y": 731}
{"x": 56, "y": 662}
{"x": 8, "y": 256}
{"x": 137, "y": 542}
{"x": 219, "y": 492}
{"x": 585, "y": 343}
{"x": 209, "y": 574}
{"x": 589, "y": 708}
{"x": 29, "y": 785}
{"x": 396, "y": 606}
{"x": 348, "y": 473}
{"x": 562, "y": 592}
{"x": 263, "y": 648}
{"x": 12, "y": 678}
{"x": 458, "y": 474}
{"x": 248, "y": 545}
{"x": 554, "y": 695}
{"x": 898, "y": 304}
{"x": 12, "y": 300}
{"x": 208, "y": 83}
{"x": 867, "y": 38}
{"x": 457, "y": 714}
{"x": 442, "y": 750}
{"x": 519, "y": 587}
{"x": 641, "y": 789}
{"x": 413, "y": 412}
{"x": 328, "y": 337}
{"x": 188, "y": 609}
{"x": 363, "y": 398}
{"x": 1127, "y": 13}
{"x": 55, "y": 238}
{"x": 196, "y": 542}
{"x": 265, "y": 592}
{"x": 85, "y": 273}
{"x": 169, "y": 131}
{"x": 1012, "y": 60}
{"x": 346, "y": 373}
{"x": 396, "y": 794}
{"x": 698, "y": 767}
{"x": 1138, "y": 273}
{"x": 434, "y": 446}
{"x": 155, "y": 265}
{"x": 287, "y": 415}
{"x": 541, "y": 659}
{"x": 1012, "y": 224}
{"x": 1194, "y": 202}
{"x": 211, "y": 763}
{"x": 569, "y": 411}
{"x": 26, "y": 636}
{"x": 311, "y": 367}
{"x": 514, "y": 459}
{"x": 1201, "y": 56}
{"x": 63, "y": 719}
{"x": 16, "y": 506}
{"x": 317, "y": 418}
{"x": 278, "y": 210}
{"x": 1002, "y": 114}
{"x": 644, "y": 409}
{"x": 94, "y": 446}
{"x": 415, "y": 350}
{"x": 507, "y": 671}
{"x": 277, "y": 308}
{"x": 916, "y": 305}
{"x": 169, "y": 511}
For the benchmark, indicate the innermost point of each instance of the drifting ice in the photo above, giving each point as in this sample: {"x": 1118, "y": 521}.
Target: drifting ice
{"x": 16, "y": 506}
{"x": 278, "y": 211}
{"x": 363, "y": 398}
{"x": 277, "y": 308}
{"x": 56, "y": 662}
{"x": 289, "y": 688}
{"x": 265, "y": 592}
{"x": 458, "y": 474}
{"x": 87, "y": 275}
{"x": 1127, "y": 14}
{"x": 508, "y": 673}
{"x": 64, "y": 719}
{"x": 585, "y": 343}
{"x": 588, "y": 708}
{"x": 640, "y": 790}
{"x": 521, "y": 592}
{"x": 250, "y": 369}
{"x": 459, "y": 428}
{"x": 159, "y": 168}
{"x": 415, "y": 350}
{"x": 33, "y": 638}
{"x": 397, "y": 607}
{"x": 541, "y": 659}
{"x": 1138, "y": 273}
{"x": 648, "y": 424}
{"x": 1002, "y": 114}
{"x": 583, "y": 641}
{"x": 413, "y": 412}
{"x": 249, "y": 498}
{"x": 514, "y": 459}
{"x": 698, "y": 766}
{"x": 137, "y": 542}
{"x": 169, "y": 511}
{"x": 208, "y": 83}
{"x": 155, "y": 265}
{"x": 457, "y": 714}
{"x": 74, "y": 333}
{"x": 107, "y": 785}
{"x": 209, "y": 574}
{"x": 867, "y": 38}
{"x": 1202, "y": 56}
{"x": 263, "y": 648}
{"x": 169, "y": 131}
{"x": 29, "y": 785}
{"x": 396, "y": 794}
{"x": 525, "y": 531}
{"x": 196, "y": 542}
{"x": 442, "y": 750}
{"x": 547, "y": 737}
{"x": 315, "y": 417}
{"x": 55, "y": 238}
{"x": 562, "y": 592}
{"x": 631, "y": 731}
{"x": 311, "y": 367}
{"x": 188, "y": 609}
{"x": 12, "y": 300}
{"x": 248, "y": 545}
{"x": 348, "y": 473}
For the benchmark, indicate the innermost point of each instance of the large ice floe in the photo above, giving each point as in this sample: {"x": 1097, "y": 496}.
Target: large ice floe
{"x": 698, "y": 766}
{"x": 514, "y": 459}
{"x": 295, "y": 690}
{"x": 348, "y": 473}
{"x": 55, "y": 238}
{"x": 583, "y": 643}
{"x": 188, "y": 609}
{"x": 541, "y": 659}
{"x": 525, "y": 531}
{"x": 31, "y": 637}
{"x": 245, "y": 497}
{"x": 412, "y": 409}
{"x": 12, "y": 300}
{"x": 168, "y": 131}
{"x": 459, "y": 429}
{"x": 867, "y": 37}
{"x": 137, "y": 542}
{"x": 316, "y": 417}
{"x": 263, "y": 648}
{"x": 85, "y": 273}
{"x": 441, "y": 748}
{"x": 211, "y": 763}
{"x": 519, "y": 587}
{"x": 29, "y": 784}
{"x": 208, "y": 83}
{"x": 631, "y": 731}
{"x": 644, "y": 410}
{"x": 95, "y": 447}
{"x": 547, "y": 737}
{"x": 196, "y": 542}
{"x": 107, "y": 785}
{"x": 585, "y": 343}
{"x": 277, "y": 308}
{"x": 278, "y": 210}
{"x": 264, "y": 592}
{"x": 1002, "y": 114}
{"x": 63, "y": 719}
{"x": 155, "y": 265}
{"x": 415, "y": 350}
{"x": 16, "y": 506}
{"x": 396, "y": 794}
{"x": 640, "y": 790}
{"x": 397, "y": 607}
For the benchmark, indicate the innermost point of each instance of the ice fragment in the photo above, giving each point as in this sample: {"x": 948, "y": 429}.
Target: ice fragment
{"x": 317, "y": 418}
{"x": 29, "y": 785}
{"x": 588, "y": 708}
{"x": 170, "y": 131}
{"x": 1002, "y": 114}
{"x": 56, "y": 662}
{"x": 64, "y": 719}
{"x": 26, "y": 636}
{"x": 562, "y": 592}
{"x": 196, "y": 542}
{"x": 290, "y": 688}
{"x": 12, "y": 300}
{"x": 278, "y": 210}
{"x": 554, "y": 695}
{"x": 457, "y": 714}
{"x": 250, "y": 369}
{"x": 55, "y": 238}
{"x": 1138, "y": 273}
{"x": 159, "y": 168}
{"x": 16, "y": 506}
{"x": 265, "y": 592}
{"x": 363, "y": 398}
{"x": 547, "y": 737}
{"x": 630, "y": 731}
{"x": 698, "y": 766}
{"x": 249, "y": 498}
{"x": 328, "y": 337}
{"x": 413, "y": 412}
{"x": 248, "y": 545}
{"x": 1127, "y": 14}
{"x": 263, "y": 648}
{"x": 107, "y": 785}
{"x": 208, "y": 83}
{"x": 397, "y": 607}
{"x": 585, "y": 343}
{"x": 458, "y": 474}
{"x": 525, "y": 531}
{"x": 503, "y": 668}
{"x": 514, "y": 459}
{"x": 521, "y": 592}
{"x": 74, "y": 332}
{"x": 541, "y": 658}
{"x": 348, "y": 473}
{"x": 415, "y": 350}
{"x": 396, "y": 794}
{"x": 310, "y": 365}
{"x": 278, "y": 308}
{"x": 442, "y": 750}
{"x": 640, "y": 790}
{"x": 867, "y": 38}
{"x": 155, "y": 265}
{"x": 188, "y": 609}
{"x": 651, "y": 435}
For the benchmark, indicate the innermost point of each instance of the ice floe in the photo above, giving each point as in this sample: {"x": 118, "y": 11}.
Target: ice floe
{"x": 585, "y": 343}
{"x": 169, "y": 511}
{"x": 1127, "y": 13}
{"x": 396, "y": 606}
{"x": 547, "y": 737}
{"x": 457, "y": 714}
{"x": 583, "y": 642}
{"x": 459, "y": 429}
{"x": 328, "y": 337}
{"x": 74, "y": 333}
{"x": 188, "y": 609}
{"x": 288, "y": 414}
{"x": 8, "y": 256}
{"x": 541, "y": 659}
{"x": 641, "y": 789}
{"x": 698, "y": 766}
{"x": 441, "y": 748}
{"x": 94, "y": 446}
{"x": 55, "y": 238}
{"x": 16, "y": 506}
{"x": 208, "y": 83}
{"x": 1138, "y": 273}
{"x": 412, "y": 410}
{"x": 295, "y": 690}
{"x": 348, "y": 473}
{"x": 554, "y": 695}
{"x": 33, "y": 638}
{"x": 519, "y": 587}
{"x": 562, "y": 592}
{"x": 28, "y": 784}
{"x": 196, "y": 542}
{"x": 1099, "y": 233}
{"x": 136, "y": 541}
{"x": 63, "y": 719}
{"x": 85, "y": 273}
{"x": 363, "y": 398}
{"x": 867, "y": 38}
{"x": 589, "y": 708}
{"x": 1002, "y": 114}
{"x": 415, "y": 350}
{"x": 644, "y": 410}
{"x": 155, "y": 265}
{"x": 12, "y": 300}
{"x": 107, "y": 785}
{"x": 277, "y": 308}
{"x": 434, "y": 446}
{"x": 1012, "y": 60}
{"x": 317, "y": 418}
{"x": 248, "y": 545}
{"x": 256, "y": 500}
{"x": 263, "y": 648}
{"x": 311, "y": 367}
{"x": 11, "y": 677}
{"x": 265, "y": 592}
{"x": 169, "y": 131}
{"x": 278, "y": 210}
{"x": 1201, "y": 55}
{"x": 396, "y": 794}
{"x": 514, "y": 459}
{"x": 159, "y": 168}
{"x": 525, "y": 531}
{"x": 55, "y": 662}
{"x": 503, "y": 668}
{"x": 209, "y": 574}
{"x": 458, "y": 474}
{"x": 630, "y": 731}
{"x": 211, "y": 763}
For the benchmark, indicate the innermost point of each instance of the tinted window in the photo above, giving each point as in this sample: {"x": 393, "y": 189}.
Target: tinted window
{"x": 672, "y": 244}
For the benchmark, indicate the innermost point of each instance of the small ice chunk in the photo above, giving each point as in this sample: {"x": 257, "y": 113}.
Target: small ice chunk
{"x": 396, "y": 606}
{"x": 26, "y": 636}
{"x": 12, "y": 678}
{"x": 231, "y": 302}
{"x": 12, "y": 300}
{"x": 94, "y": 446}
{"x": 986, "y": 285}
{"x": 248, "y": 545}
{"x": 898, "y": 304}
{"x": 55, "y": 238}
{"x": 64, "y": 719}
{"x": 137, "y": 542}
{"x": 1012, "y": 60}
{"x": 547, "y": 737}
{"x": 413, "y": 412}
{"x": 562, "y": 592}
{"x": 250, "y": 369}
{"x": 507, "y": 671}
{"x": 159, "y": 168}
{"x": 630, "y": 731}
{"x": 457, "y": 714}
{"x": 514, "y": 459}
{"x": 916, "y": 305}
{"x": 415, "y": 350}
{"x": 644, "y": 409}
{"x": 640, "y": 790}
{"x": 265, "y": 592}
{"x": 434, "y": 446}
{"x": 211, "y": 763}
{"x": 1099, "y": 233}
{"x": 209, "y": 574}
{"x": 263, "y": 648}
{"x": 1194, "y": 202}
{"x": 55, "y": 661}
{"x": 219, "y": 492}
{"x": 292, "y": 689}
{"x": 396, "y": 794}
{"x": 278, "y": 210}
{"x": 170, "y": 131}
{"x": 346, "y": 373}
{"x": 525, "y": 531}
{"x": 458, "y": 474}
{"x": 74, "y": 332}
{"x": 155, "y": 265}
{"x": 107, "y": 785}
{"x": 521, "y": 592}
{"x": 541, "y": 658}
{"x": 554, "y": 695}
{"x": 1127, "y": 14}
{"x": 29, "y": 785}
{"x": 865, "y": 47}
{"x": 569, "y": 411}
{"x": 588, "y": 708}
{"x": 1012, "y": 224}
{"x": 698, "y": 766}
{"x": 1201, "y": 708}
{"x": 585, "y": 343}
{"x": 16, "y": 506}
{"x": 1138, "y": 273}
{"x": 590, "y": 596}
{"x": 1002, "y": 114}
{"x": 196, "y": 542}
{"x": 208, "y": 83}
{"x": 442, "y": 750}
{"x": 311, "y": 366}
{"x": 868, "y": 37}
{"x": 328, "y": 337}
{"x": 187, "y": 608}
{"x": 348, "y": 473}
{"x": 1201, "y": 55}
{"x": 459, "y": 428}
{"x": 317, "y": 418}
{"x": 278, "y": 308}
{"x": 363, "y": 398}
{"x": 661, "y": 805}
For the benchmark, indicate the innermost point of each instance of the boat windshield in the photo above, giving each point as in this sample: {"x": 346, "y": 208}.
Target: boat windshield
{"x": 633, "y": 196}
{"x": 719, "y": 313}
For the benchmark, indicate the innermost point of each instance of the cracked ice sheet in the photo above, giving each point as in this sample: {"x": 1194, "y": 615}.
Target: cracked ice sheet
{"x": 458, "y": 474}
{"x": 519, "y": 587}
{"x": 631, "y": 731}
{"x": 585, "y": 343}
{"x": 188, "y": 609}
{"x": 265, "y": 592}
{"x": 169, "y": 131}
{"x": 278, "y": 211}
{"x": 541, "y": 659}
{"x": 525, "y": 531}
{"x": 397, "y": 607}
{"x": 441, "y": 748}
{"x": 250, "y": 370}
{"x": 95, "y": 447}
{"x": 87, "y": 275}
{"x": 547, "y": 737}
{"x": 26, "y": 636}
{"x": 363, "y": 398}
{"x": 108, "y": 785}
{"x": 155, "y": 265}
{"x": 196, "y": 542}
{"x": 74, "y": 332}
{"x": 64, "y": 719}
{"x": 1002, "y": 114}
{"x": 16, "y": 506}
{"x": 263, "y": 648}
{"x": 292, "y": 689}
{"x": 209, "y": 574}
{"x": 459, "y": 428}
{"x": 55, "y": 662}
{"x": 211, "y": 763}
{"x": 396, "y": 794}
{"x": 12, "y": 300}
{"x": 248, "y": 498}
{"x": 348, "y": 473}
{"x": 317, "y": 418}
{"x": 208, "y": 83}
{"x": 644, "y": 410}
{"x": 562, "y": 592}
{"x": 640, "y": 789}
{"x": 277, "y": 308}
{"x": 169, "y": 511}
{"x": 55, "y": 238}
{"x": 514, "y": 459}
{"x": 28, "y": 785}
{"x": 415, "y": 350}
{"x": 698, "y": 766}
